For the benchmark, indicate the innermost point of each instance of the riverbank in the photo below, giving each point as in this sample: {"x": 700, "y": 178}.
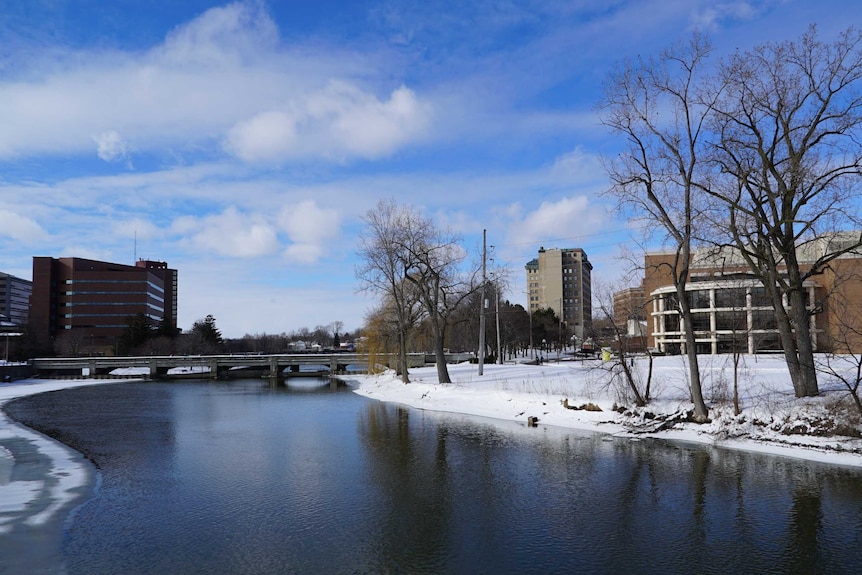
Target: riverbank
{"x": 588, "y": 395}
{"x": 40, "y": 480}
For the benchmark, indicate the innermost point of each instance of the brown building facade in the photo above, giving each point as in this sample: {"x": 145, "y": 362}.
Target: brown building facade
{"x": 88, "y": 302}
{"x": 732, "y": 311}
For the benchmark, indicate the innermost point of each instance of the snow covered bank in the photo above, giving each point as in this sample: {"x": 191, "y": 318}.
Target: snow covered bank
{"x": 47, "y": 488}
{"x": 587, "y": 395}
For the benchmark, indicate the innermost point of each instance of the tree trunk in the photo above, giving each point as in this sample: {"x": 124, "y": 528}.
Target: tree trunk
{"x": 798, "y": 300}
{"x": 439, "y": 353}
{"x": 701, "y": 413}
{"x": 795, "y": 332}
{"x": 807, "y": 385}
{"x": 402, "y": 353}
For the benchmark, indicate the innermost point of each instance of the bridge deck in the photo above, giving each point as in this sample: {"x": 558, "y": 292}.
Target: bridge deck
{"x": 219, "y": 365}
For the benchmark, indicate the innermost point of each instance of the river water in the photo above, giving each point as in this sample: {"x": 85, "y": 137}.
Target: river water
{"x": 241, "y": 477}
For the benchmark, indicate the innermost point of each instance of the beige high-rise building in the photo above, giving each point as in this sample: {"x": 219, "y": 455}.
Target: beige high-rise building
{"x": 560, "y": 279}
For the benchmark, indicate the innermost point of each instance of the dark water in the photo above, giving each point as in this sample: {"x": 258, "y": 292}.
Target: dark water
{"x": 239, "y": 478}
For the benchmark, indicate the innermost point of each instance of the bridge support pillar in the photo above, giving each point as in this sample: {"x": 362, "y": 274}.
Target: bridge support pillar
{"x": 154, "y": 369}
{"x": 273, "y": 367}
{"x": 214, "y": 368}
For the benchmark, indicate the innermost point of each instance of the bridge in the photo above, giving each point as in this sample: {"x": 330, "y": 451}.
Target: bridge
{"x": 222, "y": 366}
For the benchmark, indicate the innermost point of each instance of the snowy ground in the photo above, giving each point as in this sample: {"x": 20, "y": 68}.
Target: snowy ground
{"x": 772, "y": 420}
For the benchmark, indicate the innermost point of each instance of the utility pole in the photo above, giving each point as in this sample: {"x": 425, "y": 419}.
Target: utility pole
{"x": 482, "y": 310}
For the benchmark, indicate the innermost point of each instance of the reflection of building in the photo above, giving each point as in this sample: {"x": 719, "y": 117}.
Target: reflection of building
{"x": 731, "y": 310}
{"x": 91, "y": 301}
{"x": 14, "y": 299}
{"x": 560, "y": 279}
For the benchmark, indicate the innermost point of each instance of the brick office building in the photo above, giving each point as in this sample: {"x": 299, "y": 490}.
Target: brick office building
{"x": 89, "y": 302}
{"x": 731, "y": 309}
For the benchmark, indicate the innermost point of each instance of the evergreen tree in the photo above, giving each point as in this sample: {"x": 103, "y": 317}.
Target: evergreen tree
{"x": 207, "y": 331}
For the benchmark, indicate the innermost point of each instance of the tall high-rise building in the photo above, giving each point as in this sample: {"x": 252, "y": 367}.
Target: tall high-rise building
{"x": 14, "y": 299}
{"x": 90, "y": 301}
{"x": 560, "y": 279}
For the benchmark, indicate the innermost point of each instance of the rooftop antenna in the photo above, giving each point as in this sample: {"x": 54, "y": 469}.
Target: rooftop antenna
{"x": 136, "y": 244}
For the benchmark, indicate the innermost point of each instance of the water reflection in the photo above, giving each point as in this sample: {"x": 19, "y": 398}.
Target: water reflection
{"x": 512, "y": 498}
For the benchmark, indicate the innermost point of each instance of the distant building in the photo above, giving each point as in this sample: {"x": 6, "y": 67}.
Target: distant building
{"x": 89, "y": 302}
{"x": 14, "y": 299}
{"x": 560, "y": 279}
{"x": 629, "y": 305}
{"x": 732, "y": 311}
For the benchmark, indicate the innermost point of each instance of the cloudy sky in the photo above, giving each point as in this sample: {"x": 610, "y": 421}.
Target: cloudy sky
{"x": 242, "y": 142}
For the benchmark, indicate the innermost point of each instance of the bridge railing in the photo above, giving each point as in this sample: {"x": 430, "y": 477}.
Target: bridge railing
{"x": 219, "y": 364}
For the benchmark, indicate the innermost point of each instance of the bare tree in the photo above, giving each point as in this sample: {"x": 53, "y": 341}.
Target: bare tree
{"x": 604, "y": 300}
{"x": 386, "y": 262}
{"x": 70, "y": 344}
{"x": 788, "y": 145}
{"x": 658, "y": 106}
{"x": 435, "y": 271}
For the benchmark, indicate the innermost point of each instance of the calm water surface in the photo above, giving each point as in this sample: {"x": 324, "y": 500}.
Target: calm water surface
{"x": 239, "y": 477}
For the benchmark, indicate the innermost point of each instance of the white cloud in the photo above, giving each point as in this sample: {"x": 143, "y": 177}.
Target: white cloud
{"x": 567, "y": 218}
{"x": 231, "y": 32}
{"x": 267, "y": 137}
{"x": 20, "y": 228}
{"x": 135, "y": 228}
{"x": 230, "y": 233}
{"x": 223, "y": 78}
{"x": 578, "y": 165}
{"x": 311, "y": 229}
{"x": 713, "y": 16}
{"x": 111, "y": 147}
{"x": 338, "y": 121}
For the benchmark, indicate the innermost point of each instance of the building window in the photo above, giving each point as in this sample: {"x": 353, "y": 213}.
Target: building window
{"x": 698, "y": 299}
{"x": 700, "y": 322}
{"x": 731, "y": 297}
{"x": 731, "y": 321}
{"x": 763, "y": 319}
{"x": 760, "y": 297}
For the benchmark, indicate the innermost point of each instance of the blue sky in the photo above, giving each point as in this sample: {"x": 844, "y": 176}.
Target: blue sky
{"x": 242, "y": 142}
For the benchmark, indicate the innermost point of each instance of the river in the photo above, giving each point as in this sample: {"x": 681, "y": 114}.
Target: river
{"x": 240, "y": 477}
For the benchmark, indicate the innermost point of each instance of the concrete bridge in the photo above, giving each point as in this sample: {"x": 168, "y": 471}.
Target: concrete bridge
{"x": 222, "y": 366}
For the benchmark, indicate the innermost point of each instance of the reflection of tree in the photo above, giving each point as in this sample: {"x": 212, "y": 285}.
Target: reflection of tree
{"x": 469, "y": 494}
{"x": 805, "y": 523}
{"x": 411, "y": 471}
